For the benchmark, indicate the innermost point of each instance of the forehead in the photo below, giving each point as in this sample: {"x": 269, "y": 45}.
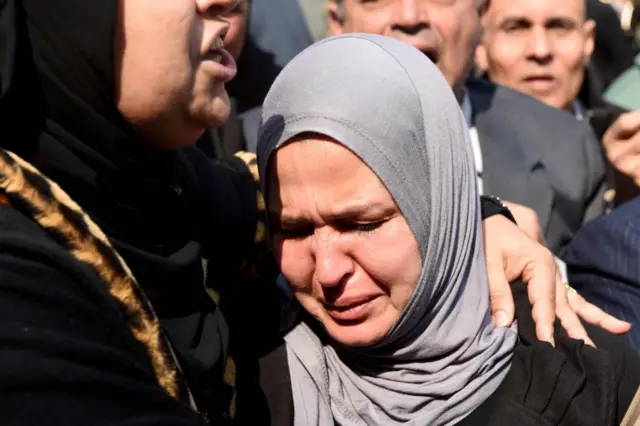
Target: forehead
{"x": 316, "y": 166}
{"x": 385, "y": 4}
{"x": 537, "y": 10}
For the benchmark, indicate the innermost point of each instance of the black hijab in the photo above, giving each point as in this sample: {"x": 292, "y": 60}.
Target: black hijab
{"x": 57, "y": 106}
{"x": 58, "y": 111}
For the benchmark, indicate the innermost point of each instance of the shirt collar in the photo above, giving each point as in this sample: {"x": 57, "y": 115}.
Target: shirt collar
{"x": 578, "y": 110}
{"x": 466, "y": 109}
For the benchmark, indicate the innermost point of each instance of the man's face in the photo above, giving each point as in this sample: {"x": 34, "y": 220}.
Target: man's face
{"x": 445, "y": 30}
{"x": 539, "y": 47}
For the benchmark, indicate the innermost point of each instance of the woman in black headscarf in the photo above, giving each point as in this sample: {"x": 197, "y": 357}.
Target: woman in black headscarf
{"x": 86, "y": 101}
{"x": 108, "y": 217}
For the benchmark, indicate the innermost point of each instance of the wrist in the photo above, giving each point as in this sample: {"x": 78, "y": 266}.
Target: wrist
{"x": 491, "y": 206}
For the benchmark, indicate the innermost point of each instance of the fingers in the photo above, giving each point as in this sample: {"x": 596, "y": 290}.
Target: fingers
{"x": 596, "y": 316}
{"x": 502, "y": 307}
{"x": 570, "y": 321}
{"x": 625, "y": 126}
{"x": 542, "y": 297}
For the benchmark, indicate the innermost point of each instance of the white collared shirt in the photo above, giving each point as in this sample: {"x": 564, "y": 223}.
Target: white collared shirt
{"x": 475, "y": 140}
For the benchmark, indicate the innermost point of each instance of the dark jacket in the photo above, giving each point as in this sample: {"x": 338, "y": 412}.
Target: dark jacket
{"x": 603, "y": 265}
{"x": 571, "y": 384}
{"x": 86, "y": 327}
{"x": 539, "y": 157}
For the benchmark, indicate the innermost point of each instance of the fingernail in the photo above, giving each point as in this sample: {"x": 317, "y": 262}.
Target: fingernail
{"x": 501, "y": 319}
{"x": 550, "y": 338}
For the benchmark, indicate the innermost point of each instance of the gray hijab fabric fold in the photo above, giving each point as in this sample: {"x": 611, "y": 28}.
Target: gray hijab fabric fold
{"x": 390, "y": 105}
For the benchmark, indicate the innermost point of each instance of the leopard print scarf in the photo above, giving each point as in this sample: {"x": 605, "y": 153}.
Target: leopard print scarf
{"x": 26, "y": 189}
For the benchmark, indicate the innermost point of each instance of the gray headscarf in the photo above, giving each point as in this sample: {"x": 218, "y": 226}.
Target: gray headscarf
{"x": 390, "y": 105}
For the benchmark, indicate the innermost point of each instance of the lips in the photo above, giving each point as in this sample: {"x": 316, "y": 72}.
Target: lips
{"x": 541, "y": 82}
{"x": 351, "y": 309}
{"x": 222, "y": 60}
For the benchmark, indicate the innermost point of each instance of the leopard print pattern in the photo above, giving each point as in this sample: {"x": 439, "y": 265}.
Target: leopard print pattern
{"x": 251, "y": 161}
{"x": 27, "y": 190}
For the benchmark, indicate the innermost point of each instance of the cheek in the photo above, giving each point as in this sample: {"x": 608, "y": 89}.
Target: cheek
{"x": 296, "y": 263}
{"x": 504, "y": 56}
{"x": 235, "y": 39}
{"x": 573, "y": 59}
{"x": 368, "y": 22}
{"x": 392, "y": 260}
{"x": 459, "y": 35}
{"x": 156, "y": 56}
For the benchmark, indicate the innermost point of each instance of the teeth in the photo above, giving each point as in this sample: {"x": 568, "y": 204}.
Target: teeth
{"x": 213, "y": 53}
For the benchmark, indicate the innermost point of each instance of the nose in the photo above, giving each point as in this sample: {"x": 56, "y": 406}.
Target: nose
{"x": 333, "y": 264}
{"x": 215, "y": 8}
{"x": 409, "y": 17}
{"x": 539, "y": 47}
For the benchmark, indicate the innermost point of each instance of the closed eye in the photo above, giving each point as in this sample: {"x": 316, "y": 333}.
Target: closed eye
{"x": 364, "y": 228}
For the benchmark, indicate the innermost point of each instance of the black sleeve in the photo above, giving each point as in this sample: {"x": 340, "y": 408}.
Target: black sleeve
{"x": 66, "y": 354}
{"x": 613, "y": 369}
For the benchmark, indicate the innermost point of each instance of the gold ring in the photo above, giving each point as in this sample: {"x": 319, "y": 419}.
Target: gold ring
{"x": 570, "y": 290}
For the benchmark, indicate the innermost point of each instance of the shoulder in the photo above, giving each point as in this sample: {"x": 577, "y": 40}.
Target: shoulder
{"x": 618, "y": 230}
{"x": 499, "y": 99}
{"x": 609, "y": 243}
{"x": 548, "y": 134}
{"x": 493, "y": 99}
{"x": 27, "y": 252}
{"x": 66, "y": 343}
{"x": 571, "y": 383}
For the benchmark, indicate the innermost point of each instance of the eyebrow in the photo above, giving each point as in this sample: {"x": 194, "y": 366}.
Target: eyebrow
{"x": 340, "y": 213}
{"x": 562, "y": 22}
{"x": 514, "y": 20}
{"x": 549, "y": 23}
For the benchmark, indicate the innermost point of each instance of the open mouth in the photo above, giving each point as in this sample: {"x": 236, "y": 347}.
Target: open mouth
{"x": 215, "y": 52}
{"x": 220, "y": 59}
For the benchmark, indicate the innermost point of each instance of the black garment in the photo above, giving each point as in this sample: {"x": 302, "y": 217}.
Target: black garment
{"x": 571, "y": 384}
{"x": 163, "y": 211}
{"x": 67, "y": 355}
{"x": 599, "y": 113}
{"x": 614, "y": 50}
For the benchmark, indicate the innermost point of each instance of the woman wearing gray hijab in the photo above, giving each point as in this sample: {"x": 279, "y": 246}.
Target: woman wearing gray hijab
{"x": 368, "y": 177}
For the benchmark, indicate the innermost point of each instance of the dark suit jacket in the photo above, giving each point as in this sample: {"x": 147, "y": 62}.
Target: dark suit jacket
{"x": 603, "y": 262}
{"x": 540, "y": 157}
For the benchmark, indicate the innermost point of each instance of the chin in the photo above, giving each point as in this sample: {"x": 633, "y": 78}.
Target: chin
{"x": 218, "y": 111}
{"x": 357, "y": 335}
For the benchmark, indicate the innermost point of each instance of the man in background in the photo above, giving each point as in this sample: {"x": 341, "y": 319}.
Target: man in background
{"x": 543, "y": 48}
{"x": 542, "y": 161}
